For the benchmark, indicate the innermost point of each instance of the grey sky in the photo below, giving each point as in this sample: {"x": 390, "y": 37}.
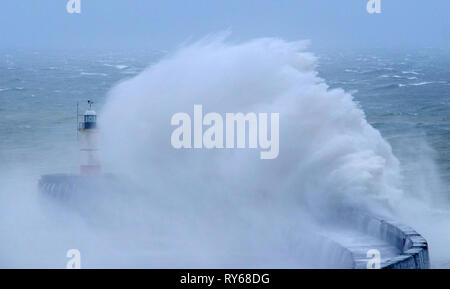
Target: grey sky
{"x": 163, "y": 24}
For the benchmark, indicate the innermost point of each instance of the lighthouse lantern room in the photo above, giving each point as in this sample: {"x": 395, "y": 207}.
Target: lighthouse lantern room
{"x": 90, "y": 164}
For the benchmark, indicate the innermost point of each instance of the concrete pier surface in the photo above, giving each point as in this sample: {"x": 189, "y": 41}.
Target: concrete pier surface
{"x": 400, "y": 246}
{"x": 343, "y": 244}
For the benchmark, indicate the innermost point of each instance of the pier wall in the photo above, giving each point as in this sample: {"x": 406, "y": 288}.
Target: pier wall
{"x": 413, "y": 247}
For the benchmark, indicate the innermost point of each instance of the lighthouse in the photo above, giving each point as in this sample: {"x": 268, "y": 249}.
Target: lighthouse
{"x": 88, "y": 137}
{"x": 75, "y": 189}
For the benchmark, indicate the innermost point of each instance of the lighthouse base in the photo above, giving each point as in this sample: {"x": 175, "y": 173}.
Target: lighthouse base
{"x": 66, "y": 187}
{"x": 93, "y": 198}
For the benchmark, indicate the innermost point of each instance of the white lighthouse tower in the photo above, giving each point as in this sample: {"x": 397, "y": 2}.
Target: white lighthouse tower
{"x": 90, "y": 163}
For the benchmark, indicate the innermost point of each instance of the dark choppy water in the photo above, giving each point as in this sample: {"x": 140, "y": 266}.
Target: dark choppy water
{"x": 38, "y": 96}
{"x": 406, "y": 95}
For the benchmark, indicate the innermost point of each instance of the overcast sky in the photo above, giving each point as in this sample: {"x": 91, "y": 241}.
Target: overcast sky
{"x": 163, "y": 24}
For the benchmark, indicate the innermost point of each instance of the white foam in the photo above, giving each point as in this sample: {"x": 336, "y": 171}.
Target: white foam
{"x": 329, "y": 154}
{"x": 93, "y": 74}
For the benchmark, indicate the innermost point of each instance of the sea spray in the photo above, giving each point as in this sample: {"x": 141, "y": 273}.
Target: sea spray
{"x": 328, "y": 151}
{"x": 230, "y": 200}
{"x": 214, "y": 208}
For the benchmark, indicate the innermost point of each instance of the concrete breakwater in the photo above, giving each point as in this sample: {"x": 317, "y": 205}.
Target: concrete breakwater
{"x": 412, "y": 247}
{"x": 343, "y": 246}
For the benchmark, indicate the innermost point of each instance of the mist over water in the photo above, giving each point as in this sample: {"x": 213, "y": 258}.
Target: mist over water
{"x": 405, "y": 95}
{"x": 222, "y": 208}
{"x": 230, "y": 200}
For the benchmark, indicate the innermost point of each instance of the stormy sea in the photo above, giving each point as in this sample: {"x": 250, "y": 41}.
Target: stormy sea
{"x": 366, "y": 126}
